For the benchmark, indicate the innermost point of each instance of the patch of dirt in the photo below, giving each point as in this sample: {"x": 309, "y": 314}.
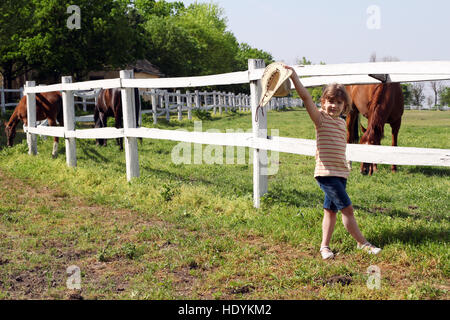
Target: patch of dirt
{"x": 342, "y": 280}
{"x": 33, "y": 284}
{"x": 378, "y": 210}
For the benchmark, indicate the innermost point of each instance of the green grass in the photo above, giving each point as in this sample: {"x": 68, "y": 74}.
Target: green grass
{"x": 191, "y": 232}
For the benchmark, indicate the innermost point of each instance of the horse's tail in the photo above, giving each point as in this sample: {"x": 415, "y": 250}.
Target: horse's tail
{"x": 377, "y": 121}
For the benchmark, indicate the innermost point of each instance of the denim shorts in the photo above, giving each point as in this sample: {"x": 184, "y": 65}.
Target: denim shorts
{"x": 336, "y": 197}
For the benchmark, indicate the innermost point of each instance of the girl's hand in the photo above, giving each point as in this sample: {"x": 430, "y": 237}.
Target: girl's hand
{"x": 294, "y": 74}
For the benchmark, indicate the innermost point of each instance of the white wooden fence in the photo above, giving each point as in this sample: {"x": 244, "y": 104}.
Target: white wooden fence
{"x": 3, "y": 103}
{"x": 164, "y": 102}
{"x": 83, "y": 99}
{"x": 258, "y": 139}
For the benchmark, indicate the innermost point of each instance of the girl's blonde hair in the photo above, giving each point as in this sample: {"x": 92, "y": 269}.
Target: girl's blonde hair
{"x": 337, "y": 91}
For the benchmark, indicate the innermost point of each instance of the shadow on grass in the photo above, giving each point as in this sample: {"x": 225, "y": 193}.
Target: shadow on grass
{"x": 223, "y": 187}
{"x": 90, "y": 152}
{"x": 403, "y": 214}
{"x": 292, "y": 197}
{"x": 410, "y": 235}
{"x": 429, "y": 171}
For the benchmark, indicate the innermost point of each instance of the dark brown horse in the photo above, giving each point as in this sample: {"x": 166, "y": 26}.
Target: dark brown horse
{"x": 380, "y": 104}
{"x": 48, "y": 106}
{"x": 109, "y": 104}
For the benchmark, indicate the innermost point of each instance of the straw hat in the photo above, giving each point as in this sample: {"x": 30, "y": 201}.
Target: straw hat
{"x": 275, "y": 82}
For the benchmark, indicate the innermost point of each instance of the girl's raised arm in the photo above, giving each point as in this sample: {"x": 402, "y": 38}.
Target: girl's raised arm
{"x": 313, "y": 112}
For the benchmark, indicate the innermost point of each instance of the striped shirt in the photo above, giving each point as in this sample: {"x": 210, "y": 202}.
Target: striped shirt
{"x": 331, "y": 137}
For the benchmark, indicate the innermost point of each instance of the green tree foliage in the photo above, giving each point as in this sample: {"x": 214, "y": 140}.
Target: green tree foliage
{"x": 180, "y": 41}
{"x": 445, "y": 96}
{"x": 191, "y": 41}
{"x": 14, "y": 18}
{"x": 407, "y": 93}
{"x": 245, "y": 52}
{"x": 105, "y": 39}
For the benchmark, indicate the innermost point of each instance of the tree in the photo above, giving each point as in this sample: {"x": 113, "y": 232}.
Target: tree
{"x": 418, "y": 95}
{"x": 407, "y": 93}
{"x": 436, "y": 86}
{"x": 445, "y": 96}
{"x": 245, "y": 52}
{"x": 106, "y": 38}
{"x": 194, "y": 41}
{"x": 14, "y": 17}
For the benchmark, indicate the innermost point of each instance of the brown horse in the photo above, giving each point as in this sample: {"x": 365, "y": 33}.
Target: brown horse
{"x": 380, "y": 104}
{"x": 109, "y": 104}
{"x": 48, "y": 106}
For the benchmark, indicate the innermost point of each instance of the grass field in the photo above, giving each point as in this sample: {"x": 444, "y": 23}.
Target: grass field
{"x": 191, "y": 232}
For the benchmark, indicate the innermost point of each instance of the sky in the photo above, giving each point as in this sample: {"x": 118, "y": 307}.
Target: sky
{"x": 344, "y": 31}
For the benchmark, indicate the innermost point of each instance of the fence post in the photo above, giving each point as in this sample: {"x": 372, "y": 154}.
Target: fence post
{"x": 214, "y": 102}
{"x": 154, "y": 106}
{"x": 31, "y": 119}
{"x": 129, "y": 121}
{"x": 69, "y": 123}
{"x": 260, "y": 181}
{"x": 189, "y": 104}
{"x": 197, "y": 100}
{"x": 3, "y": 101}
{"x": 180, "y": 117}
{"x": 166, "y": 104}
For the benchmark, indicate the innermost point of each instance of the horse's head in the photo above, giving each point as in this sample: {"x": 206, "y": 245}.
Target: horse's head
{"x": 371, "y": 136}
{"x": 10, "y": 134}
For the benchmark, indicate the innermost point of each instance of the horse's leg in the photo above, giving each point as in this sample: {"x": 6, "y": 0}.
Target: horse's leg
{"x": 118, "y": 124}
{"x": 101, "y": 123}
{"x": 395, "y": 126}
{"x": 352, "y": 125}
{"x": 52, "y": 123}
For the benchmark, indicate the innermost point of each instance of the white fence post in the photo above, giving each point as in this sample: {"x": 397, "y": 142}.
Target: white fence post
{"x": 260, "y": 181}
{"x": 69, "y": 123}
{"x": 3, "y": 101}
{"x": 189, "y": 104}
{"x": 167, "y": 105}
{"x": 197, "y": 100}
{"x": 179, "y": 103}
{"x": 154, "y": 105}
{"x": 31, "y": 119}
{"x": 129, "y": 121}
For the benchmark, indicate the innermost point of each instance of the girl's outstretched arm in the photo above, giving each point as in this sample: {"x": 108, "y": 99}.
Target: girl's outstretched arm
{"x": 313, "y": 112}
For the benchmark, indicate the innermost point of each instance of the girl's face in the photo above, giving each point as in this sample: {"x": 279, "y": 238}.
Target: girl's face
{"x": 333, "y": 107}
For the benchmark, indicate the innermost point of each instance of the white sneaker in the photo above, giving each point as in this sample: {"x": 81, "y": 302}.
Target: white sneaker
{"x": 326, "y": 253}
{"x": 369, "y": 248}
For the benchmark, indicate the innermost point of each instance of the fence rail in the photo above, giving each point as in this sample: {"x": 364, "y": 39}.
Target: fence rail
{"x": 3, "y": 103}
{"x": 258, "y": 140}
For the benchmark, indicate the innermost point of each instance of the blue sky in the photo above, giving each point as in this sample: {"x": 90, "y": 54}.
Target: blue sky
{"x": 336, "y": 31}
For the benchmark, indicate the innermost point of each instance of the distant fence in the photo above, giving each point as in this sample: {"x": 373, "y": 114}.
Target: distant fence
{"x": 4, "y": 103}
{"x": 258, "y": 140}
{"x": 164, "y": 102}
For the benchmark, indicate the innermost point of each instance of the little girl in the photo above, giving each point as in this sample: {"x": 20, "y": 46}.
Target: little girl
{"x": 332, "y": 170}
